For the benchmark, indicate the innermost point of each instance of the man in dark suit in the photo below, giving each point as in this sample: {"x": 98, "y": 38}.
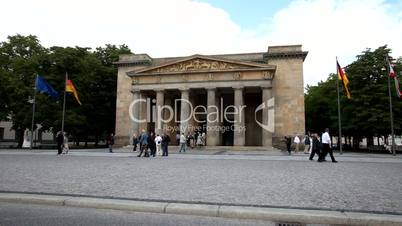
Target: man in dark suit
{"x": 60, "y": 141}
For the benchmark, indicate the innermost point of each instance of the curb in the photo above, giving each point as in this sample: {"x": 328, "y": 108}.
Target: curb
{"x": 236, "y": 212}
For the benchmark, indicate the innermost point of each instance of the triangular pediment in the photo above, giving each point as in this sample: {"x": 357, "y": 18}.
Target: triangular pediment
{"x": 198, "y": 63}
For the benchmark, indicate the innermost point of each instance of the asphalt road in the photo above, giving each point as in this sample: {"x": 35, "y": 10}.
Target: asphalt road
{"x": 13, "y": 214}
{"x": 355, "y": 183}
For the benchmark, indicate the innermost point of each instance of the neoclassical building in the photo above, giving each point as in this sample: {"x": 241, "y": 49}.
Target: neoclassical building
{"x": 246, "y": 99}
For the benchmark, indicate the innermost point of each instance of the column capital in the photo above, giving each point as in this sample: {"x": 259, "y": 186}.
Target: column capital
{"x": 159, "y": 90}
{"x": 266, "y": 86}
{"x": 210, "y": 88}
{"x": 184, "y": 89}
{"x": 238, "y": 87}
{"x": 135, "y": 90}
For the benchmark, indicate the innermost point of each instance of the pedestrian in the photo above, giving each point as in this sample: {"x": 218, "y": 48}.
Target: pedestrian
{"x": 110, "y": 142}
{"x": 195, "y": 137}
{"x": 288, "y": 143}
{"x": 158, "y": 143}
{"x": 143, "y": 144}
{"x": 326, "y": 147}
{"x": 190, "y": 140}
{"x": 306, "y": 143}
{"x": 151, "y": 143}
{"x": 199, "y": 140}
{"x": 297, "y": 143}
{"x": 165, "y": 144}
{"x": 182, "y": 143}
{"x": 315, "y": 146}
{"x": 203, "y": 138}
{"x": 60, "y": 140}
{"x": 135, "y": 142}
{"x": 178, "y": 139}
{"x": 65, "y": 143}
{"x": 139, "y": 138}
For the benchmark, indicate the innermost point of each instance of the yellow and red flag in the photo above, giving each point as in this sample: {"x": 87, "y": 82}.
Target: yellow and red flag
{"x": 71, "y": 89}
{"x": 344, "y": 79}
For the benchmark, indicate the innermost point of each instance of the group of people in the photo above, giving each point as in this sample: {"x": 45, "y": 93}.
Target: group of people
{"x": 196, "y": 139}
{"x": 313, "y": 144}
{"x": 157, "y": 144}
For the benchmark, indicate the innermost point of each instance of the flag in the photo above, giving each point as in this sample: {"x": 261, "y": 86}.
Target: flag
{"x": 43, "y": 87}
{"x": 71, "y": 89}
{"x": 344, "y": 79}
{"x": 392, "y": 74}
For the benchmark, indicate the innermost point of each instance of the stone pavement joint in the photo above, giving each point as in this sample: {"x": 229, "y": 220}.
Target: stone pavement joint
{"x": 217, "y": 210}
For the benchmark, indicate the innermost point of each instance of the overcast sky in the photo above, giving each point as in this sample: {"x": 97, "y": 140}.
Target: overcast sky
{"x": 161, "y": 28}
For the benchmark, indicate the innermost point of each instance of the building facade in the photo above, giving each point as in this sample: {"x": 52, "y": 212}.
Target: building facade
{"x": 250, "y": 99}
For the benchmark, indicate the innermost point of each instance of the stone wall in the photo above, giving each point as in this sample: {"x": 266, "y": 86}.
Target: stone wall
{"x": 288, "y": 90}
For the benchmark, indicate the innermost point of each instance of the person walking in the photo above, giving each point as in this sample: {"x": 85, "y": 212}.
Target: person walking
{"x": 190, "y": 138}
{"x": 297, "y": 143}
{"x": 182, "y": 143}
{"x": 199, "y": 140}
{"x": 178, "y": 139}
{"x": 65, "y": 143}
{"x": 143, "y": 144}
{"x": 60, "y": 140}
{"x": 306, "y": 143}
{"x": 326, "y": 147}
{"x": 110, "y": 142}
{"x": 165, "y": 144}
{"x": 139, "y": 138}
{"x": 288, "y": 143}
{"x": 151, "y": 143}
{"x": 158, "y": 143}
{"x": 135, "y": 142}
{"x": 316, "y": 146}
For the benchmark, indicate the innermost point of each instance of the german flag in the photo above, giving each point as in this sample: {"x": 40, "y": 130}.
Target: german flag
{"x": 344, "y": 79}
{"x": 71, "y": 89}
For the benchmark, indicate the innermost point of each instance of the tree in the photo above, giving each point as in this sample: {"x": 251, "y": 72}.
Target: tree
{"x": 93, "y": 74}
{"x": 21, "y": 59}
{"x": 367, "y": 113}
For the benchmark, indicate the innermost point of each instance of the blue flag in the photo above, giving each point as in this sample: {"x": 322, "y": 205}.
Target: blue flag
{"x": 43, "y": 87}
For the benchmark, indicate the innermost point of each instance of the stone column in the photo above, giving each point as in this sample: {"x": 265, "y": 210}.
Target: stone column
{"x": 212, "y": 133}
{"x": 136, "y": 113}
{"x": 266, "y": 134}
{"x": 159, "y": 112}
{"x": 184, "y": 111}
{"x": 239, "y": 138}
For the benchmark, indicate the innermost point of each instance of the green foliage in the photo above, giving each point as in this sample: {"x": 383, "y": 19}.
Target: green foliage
{"x": 93, "y": 75}
{"x": 367, "y": 113}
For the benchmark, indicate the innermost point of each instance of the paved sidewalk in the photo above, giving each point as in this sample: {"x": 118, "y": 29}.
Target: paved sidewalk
{"x": 269, "y": 215}
{"x": 357, "y": 183}
{"x": 273, "y": 155}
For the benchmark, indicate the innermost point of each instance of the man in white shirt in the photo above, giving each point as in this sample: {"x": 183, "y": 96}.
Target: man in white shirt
{"x": 326, "y": 147}
{"x": 297, "y": 143}
{"x": 183, "y": 141}
{"x": 158, "y": 142}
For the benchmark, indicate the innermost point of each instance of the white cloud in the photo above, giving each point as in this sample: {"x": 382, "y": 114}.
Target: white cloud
{"x": 330, "y": 28}
{"x": 326, "y": 28}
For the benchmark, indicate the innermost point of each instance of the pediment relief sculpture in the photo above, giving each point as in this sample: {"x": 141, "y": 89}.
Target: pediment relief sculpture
{"x": 198, "y": 65}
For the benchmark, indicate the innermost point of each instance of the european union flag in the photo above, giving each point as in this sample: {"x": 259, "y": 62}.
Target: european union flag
{"x": 43, "y": 87}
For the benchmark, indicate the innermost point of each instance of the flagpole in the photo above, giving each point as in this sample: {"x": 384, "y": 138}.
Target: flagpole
{"x": 339, "y": 109}
{"x": 33, "y": 113}
{"x": 64, "y": 105}
{"x": 390, "y": 110}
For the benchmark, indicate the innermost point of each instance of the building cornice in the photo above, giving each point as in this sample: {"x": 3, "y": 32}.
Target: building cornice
{"x": 298, "y": 54}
